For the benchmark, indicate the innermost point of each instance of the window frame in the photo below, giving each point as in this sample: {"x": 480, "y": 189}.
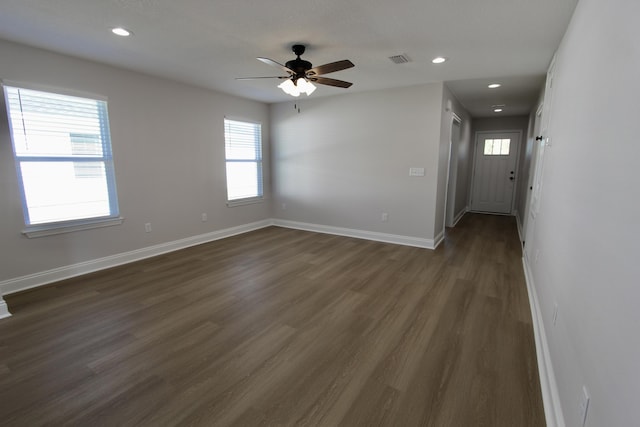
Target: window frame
{"x": 58, "y": 227}
{"x": 259, "y": 160}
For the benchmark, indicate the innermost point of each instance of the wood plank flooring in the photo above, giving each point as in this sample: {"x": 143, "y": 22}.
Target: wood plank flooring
{"x": 282, "y": 327}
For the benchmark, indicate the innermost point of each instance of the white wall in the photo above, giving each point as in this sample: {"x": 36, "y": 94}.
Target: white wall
{"x": 168, "y": 144}
{"x": 587, "y": 232}
{"x": 344, "y": 160}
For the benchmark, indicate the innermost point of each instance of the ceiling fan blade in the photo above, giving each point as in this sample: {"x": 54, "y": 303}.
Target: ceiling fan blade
{"x": 276, "y": 64}
{"x": 330, "y": 82}
{"x": 268, "y": 77}
{"x": 330, "y": 68}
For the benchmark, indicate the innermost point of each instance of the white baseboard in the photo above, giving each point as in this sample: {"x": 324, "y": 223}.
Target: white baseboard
{"x": 42, "y": 278}
{"x": 459, "y": 216}
{"x": 359, "y": 234}
{"x": 4, "y": 310}
{"x": 550, "y": 394}
{"x": 438, "y": 239}
{"x": 520, "y": 230}
{"x": 50, "y": 276}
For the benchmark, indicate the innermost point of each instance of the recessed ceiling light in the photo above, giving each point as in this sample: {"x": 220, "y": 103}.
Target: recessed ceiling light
{"x": 494, "y": 85}
{"x": 438, "y": 60}
{"x": 119, "y": 31}
{"x": 497, "y": 110}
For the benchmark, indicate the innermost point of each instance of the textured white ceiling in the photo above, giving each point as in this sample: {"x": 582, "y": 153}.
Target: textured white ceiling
{"x": 210, "y": 42}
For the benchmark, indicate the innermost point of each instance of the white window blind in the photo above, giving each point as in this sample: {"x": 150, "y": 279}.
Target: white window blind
{"x": 63, "y": 156}
{"x": 243, "y": 152}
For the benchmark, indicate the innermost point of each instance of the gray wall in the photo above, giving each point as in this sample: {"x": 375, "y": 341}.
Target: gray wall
{"x": 585, "y": 246}
{"x": 168, "y": 144}
{"x": 344, "y": 160}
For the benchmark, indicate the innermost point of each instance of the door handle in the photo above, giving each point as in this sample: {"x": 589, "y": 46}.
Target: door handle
{"x": 539, "y": 138}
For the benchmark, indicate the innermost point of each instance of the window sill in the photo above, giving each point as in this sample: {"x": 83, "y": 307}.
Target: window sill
{"x": 68, "y": 227}
{"x": 241, "y": 202}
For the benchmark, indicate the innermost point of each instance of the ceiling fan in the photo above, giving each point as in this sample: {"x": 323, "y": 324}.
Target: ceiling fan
{"x": 301, "y": 74}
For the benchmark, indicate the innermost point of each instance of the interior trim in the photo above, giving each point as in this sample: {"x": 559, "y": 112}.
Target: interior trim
{"x": 459, "y": 215}
{"x": 50, "y": 276}
{"x": 4, "y": 310}
{"x": 550, "y": 395}
{"x": 70, "y": 226}
{"x": 358, "y": 234}
{"x": 43, "y": 278}
{"x": 437, "y": 240}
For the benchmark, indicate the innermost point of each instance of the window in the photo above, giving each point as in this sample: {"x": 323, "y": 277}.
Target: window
{"x": 63, "y": 158}
{"x": 243, "y": 152}
{"x": 496, "y": 147}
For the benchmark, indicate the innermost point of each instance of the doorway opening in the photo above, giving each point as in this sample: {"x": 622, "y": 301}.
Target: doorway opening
{"x": 452, "y": 213}
{"x": 495, "y": 172}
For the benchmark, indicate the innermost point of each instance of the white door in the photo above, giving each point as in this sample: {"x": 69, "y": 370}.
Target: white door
{"x": 532, "y": 165}
{"x": 494, "y": 179}
{"x": 541, "y": 142}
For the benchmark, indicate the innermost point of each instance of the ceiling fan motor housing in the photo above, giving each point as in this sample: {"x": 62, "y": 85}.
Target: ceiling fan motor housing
{"x": 298, "y": 66}
{"x": 300, "y": 69}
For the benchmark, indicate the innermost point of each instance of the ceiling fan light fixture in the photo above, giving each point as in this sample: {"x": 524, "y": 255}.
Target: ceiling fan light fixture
{"x": 295, "y": 88}
{"x": 310, "y": 88}
{"x": 289, "y": 87}
{"x": 302, "y": 74}
{"x": 305, "y": 86}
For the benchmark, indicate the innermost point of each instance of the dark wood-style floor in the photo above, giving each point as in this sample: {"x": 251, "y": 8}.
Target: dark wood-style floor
{"x": 283, "y": 327}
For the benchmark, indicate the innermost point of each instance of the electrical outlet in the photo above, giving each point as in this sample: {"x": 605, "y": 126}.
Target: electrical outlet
{"x": 554, "y": 319}
{"x": 147, "y": 227}
{"x": 584, "y": 406}
{"x": 384, "y": 217}
{"x": 204, "y": 217}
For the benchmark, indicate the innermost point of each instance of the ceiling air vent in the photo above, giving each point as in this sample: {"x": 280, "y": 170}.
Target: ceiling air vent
{"x": 400, "y": 59}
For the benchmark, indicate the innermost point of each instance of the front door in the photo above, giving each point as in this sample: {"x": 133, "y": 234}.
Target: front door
{"x": 494, "y": 179}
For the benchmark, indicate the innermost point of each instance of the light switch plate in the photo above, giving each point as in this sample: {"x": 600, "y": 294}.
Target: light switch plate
{"x": 416, "y": 171}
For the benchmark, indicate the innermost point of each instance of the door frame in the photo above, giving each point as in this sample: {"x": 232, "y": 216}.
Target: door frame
{"x": 516, "y": 170}
{"x": 448, "y": 185}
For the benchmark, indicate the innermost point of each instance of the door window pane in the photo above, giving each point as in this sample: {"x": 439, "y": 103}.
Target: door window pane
{"x": 497, "y": 147}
